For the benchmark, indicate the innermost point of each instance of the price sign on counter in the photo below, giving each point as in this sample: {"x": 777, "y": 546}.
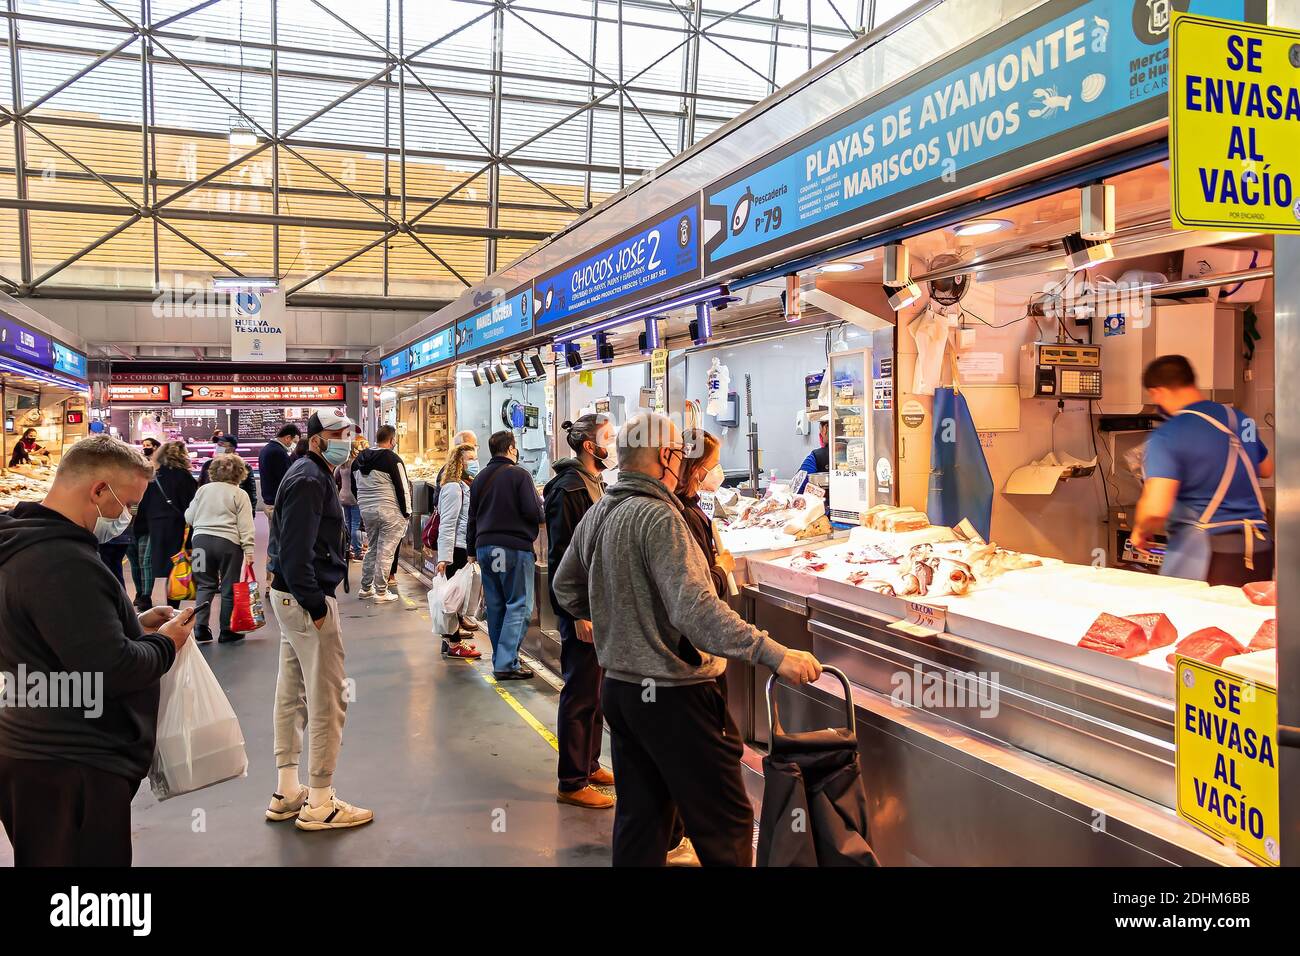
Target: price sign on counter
{"x": 923, "y": 620}
{"x": 1225, "y": 755}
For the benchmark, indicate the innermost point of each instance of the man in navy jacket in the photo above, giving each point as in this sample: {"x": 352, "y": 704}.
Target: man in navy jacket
{"x": 273, "y": 462}
{"x": 504, "y": 517}
{"x": 306, "y": 564}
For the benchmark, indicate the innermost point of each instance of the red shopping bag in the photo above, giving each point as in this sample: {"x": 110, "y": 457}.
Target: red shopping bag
{"x": 247, "y": 614}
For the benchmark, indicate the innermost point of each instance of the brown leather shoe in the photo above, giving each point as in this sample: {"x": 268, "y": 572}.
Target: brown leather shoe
{"x": 601, "y": 778}
{"x": 588, "y": 797}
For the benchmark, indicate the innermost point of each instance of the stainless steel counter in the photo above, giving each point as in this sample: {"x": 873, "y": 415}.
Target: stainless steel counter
{"x": 1008, "y": 761}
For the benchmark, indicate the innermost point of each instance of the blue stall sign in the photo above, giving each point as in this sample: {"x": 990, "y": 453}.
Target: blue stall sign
{"x": 68, "y": 361}
{"x": 649, "y": 260}
{"x": 1066, "y": 75}
{"x": 17, "y": 341}
{"x": 497, "y": 324}
{"x": 417, "y": 356}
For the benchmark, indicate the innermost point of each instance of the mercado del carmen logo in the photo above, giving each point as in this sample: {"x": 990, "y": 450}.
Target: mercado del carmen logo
{"x": 1151, "y": 18}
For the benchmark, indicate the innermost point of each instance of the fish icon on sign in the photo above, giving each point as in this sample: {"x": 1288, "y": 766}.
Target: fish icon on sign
{"x": 740, "y": 215}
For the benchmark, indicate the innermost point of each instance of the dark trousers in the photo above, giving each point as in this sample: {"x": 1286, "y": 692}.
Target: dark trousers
{"x": 59, "y": 813}
{"x": 112, "y": 555}
{"x": 672, "y": 755}
{"x": 1227, "y": 567}
{"x": 222, "y": 563}
{"x": 579, "y": 724}
{"x": 138, "y": 556}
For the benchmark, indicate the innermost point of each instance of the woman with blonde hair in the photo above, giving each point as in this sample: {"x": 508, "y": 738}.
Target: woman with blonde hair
{"x": 221, "y": 517}
{"x": 453, "y": 518}
{"x": 162, "y": 512}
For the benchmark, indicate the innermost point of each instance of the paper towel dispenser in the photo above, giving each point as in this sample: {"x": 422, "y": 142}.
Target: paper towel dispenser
{"x": 1208, "y": 334}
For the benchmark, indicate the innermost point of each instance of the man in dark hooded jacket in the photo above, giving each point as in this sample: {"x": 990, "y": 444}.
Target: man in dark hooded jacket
{"x": 579, "y": 723}
{"x": 80, "y": 667}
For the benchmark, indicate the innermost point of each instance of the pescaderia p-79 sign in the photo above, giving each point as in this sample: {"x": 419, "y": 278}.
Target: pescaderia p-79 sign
{"x": 1234, "y": 125}
{"x": 1066, "y": 75}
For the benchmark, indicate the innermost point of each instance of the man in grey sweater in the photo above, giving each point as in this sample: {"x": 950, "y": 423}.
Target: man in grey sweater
{"x": 662, "y": 636}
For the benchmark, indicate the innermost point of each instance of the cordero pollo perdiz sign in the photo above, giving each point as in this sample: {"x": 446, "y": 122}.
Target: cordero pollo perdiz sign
{"x": 1065, "y": 76}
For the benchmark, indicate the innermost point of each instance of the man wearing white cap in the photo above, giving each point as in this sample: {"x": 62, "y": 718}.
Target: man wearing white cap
{"x": 306, "y": 564}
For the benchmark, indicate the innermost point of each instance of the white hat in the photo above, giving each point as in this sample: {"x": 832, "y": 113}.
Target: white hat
{"x": 326, "y": 420}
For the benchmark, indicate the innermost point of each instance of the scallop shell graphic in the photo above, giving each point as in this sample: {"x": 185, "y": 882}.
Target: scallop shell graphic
{"x": 1093, "y": 84}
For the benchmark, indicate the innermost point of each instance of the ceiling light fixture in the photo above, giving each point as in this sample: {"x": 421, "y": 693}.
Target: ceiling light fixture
{"x": 701, "y": 327}
{"x": 477, "y": 376}
{"x": 241, "y": 134}
{"x": 841, "y": 267}
{"x": 980, "y": 227}
{"x": 573, "y": 356}
{"x": 245, "y": 283}
{"x": 1085, "y": 253}
{"x": 648, "y": 340}
{"x": 503, "y": 373}
{"x": 521, "y": 367}
{"x": 604, "y": 349}
{"x": 539, "y": 367}
{"x": 900, "y": 297}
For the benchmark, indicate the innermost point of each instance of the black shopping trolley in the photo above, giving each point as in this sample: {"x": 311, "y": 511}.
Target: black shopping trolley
{"x": 814, "y": 801}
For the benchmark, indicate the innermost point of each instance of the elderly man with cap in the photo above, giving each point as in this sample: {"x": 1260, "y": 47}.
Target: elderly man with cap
{"x": 663, "y": 637}
{"x": 306, "y": 564}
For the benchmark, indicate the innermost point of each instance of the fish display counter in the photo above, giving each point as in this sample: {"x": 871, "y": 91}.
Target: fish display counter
{"x": 973, "y": 659}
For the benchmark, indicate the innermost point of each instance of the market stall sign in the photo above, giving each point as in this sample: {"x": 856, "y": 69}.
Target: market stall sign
{"x": 1225, "y": 756}
{"x": 507, "y": 319}
{"x": 1063, "y": 77}
{"x": 647, "y": 261}
{"x": 157, "y": 392}
{"x": 68, "y": 361}
{"x": 286, "y": 393}
{"x": 21, "y": 342}
{"x": 417, "y": 356}
{"x": 1234, "y": 122}
{"x": 659, "y": 379}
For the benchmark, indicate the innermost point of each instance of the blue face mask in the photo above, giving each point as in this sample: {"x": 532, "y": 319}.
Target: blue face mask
{"x": 337, "y": 451}
{"x": 473, "y": 467}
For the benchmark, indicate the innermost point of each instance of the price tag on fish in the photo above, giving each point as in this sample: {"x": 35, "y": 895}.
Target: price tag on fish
{"x": 923, "y": 620}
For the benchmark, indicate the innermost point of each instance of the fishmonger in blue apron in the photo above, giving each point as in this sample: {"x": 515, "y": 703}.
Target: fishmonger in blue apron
{"x": 1202, "y": 471}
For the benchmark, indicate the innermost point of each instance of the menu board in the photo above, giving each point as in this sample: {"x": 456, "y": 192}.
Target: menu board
{"x": 68, "y": 361}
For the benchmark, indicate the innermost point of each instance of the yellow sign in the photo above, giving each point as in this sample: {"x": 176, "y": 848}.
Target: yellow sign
{"x": 659, "y": 379}
{"x": 1234, "y": 121}
{"x": 1225, "y": 747}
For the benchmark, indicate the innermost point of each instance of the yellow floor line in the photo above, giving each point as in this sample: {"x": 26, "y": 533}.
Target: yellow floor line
{"x": 522, "y": 711}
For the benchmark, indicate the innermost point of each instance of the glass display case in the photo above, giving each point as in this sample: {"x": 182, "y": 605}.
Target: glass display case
{"x": 862, "y": 428}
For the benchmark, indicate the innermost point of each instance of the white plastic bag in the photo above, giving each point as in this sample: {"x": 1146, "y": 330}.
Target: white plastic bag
{"x": 443, "y": 621}
{"x": 462, "y": 591}
{"x": 473, "y": 586}
{"x": 199, "y": 740}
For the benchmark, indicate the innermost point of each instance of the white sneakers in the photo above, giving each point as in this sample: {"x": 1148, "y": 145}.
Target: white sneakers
{"x": 379, "y": 596}
{"x": 282, "y": 808}
{"x": 333, "y": 814}
{"x": 366, "y": 593}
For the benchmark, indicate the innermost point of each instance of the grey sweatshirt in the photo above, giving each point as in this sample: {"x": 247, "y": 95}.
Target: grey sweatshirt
{"x": 634, "y": 571}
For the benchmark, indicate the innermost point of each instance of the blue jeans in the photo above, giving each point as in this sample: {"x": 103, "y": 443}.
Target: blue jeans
{"x": 352, "y": 514}
{"x": 508, "y": 592}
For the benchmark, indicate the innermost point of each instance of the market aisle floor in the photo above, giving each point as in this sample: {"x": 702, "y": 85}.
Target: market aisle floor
{"x": 454, "y": 774}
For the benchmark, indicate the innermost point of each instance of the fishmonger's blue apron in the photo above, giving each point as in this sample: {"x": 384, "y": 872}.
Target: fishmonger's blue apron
{"x": 1188, "y": 552}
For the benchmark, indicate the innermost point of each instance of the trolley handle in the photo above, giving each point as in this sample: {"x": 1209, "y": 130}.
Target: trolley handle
{"x": 849, "y": 716}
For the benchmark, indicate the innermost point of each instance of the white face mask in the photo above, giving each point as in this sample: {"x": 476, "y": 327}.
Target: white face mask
{"x": 713, "y": 479}
{"x": 106, "y": 529}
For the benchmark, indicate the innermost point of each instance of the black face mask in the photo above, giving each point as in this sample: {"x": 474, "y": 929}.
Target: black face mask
{"x": 148, "y": 451}
{"x": 599, "y": 455}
